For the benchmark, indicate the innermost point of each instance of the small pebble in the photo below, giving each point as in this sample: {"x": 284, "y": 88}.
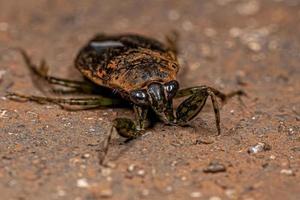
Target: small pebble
{"x": 131, "y": 168}
{"x": 254, "y": 46}
{"x": 259, "y": 147}
{"x": 82, "y": 183}
{"x": 196, "y": 194}
{"x": 215, "y": 198}
{"x": 231, "y": 194}
{"x": 141, "y": 172}
{"x": 214, "y": 167}
{"x": 288, "y": 172}
{"x": 183, "y": 178}
{"x": 86, "y": 155}
{"x": 106, "y": 193}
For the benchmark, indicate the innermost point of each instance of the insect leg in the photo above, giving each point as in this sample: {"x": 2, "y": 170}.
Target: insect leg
{"x": 190, "y": 107}
{"x": 41, "y": 72}
{"x": 130, "y": 129}
{"x": 92, "y": 101}
{"x": 221, "y": 95}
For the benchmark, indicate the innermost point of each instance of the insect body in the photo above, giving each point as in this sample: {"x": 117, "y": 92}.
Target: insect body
{"x": 142, "y": 71}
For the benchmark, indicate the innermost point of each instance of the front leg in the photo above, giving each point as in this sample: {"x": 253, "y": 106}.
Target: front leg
{"x": 126, "y": 128}
{"x": 130, "y": 129}
{"x": 191, "y": 107}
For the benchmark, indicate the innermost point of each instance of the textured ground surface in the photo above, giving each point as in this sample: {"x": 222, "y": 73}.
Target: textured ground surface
{"x": 49, "y": 153}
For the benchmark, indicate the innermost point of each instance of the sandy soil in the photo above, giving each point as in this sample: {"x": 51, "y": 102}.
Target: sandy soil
{"x": 50, "y": 153}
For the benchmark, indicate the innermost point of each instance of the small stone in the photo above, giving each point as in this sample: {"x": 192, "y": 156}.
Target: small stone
{"x": 215, "y": 198}
{"x": 183, "y": 178}
{"x": 106, "y": 193}
{"x": 214, "y": 167}
{"x": 231, "y": 194}
{"x": 92, "y": 130}
{"x": 82, "y": 183}
{"x": 86, "y": 155}
{"x": 141, "y": 172}
{"x": 254, "y": 46}
{"x": 196, "y": 194}
{"x": 131, "y": 168}
{"x": 288, "y": 172}
{"x": 259, "y": 147}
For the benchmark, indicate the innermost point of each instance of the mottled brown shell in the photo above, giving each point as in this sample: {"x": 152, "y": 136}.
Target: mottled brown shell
{"x": 126, "y": 62}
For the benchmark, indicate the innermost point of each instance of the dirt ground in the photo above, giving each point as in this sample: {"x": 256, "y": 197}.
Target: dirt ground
{"x": 50, "y": 153}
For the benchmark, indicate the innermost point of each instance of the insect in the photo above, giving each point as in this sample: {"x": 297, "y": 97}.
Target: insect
{"x": 137, "y": 69}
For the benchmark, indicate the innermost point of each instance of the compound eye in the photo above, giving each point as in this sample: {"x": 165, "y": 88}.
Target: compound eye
{"x": 171, "y": 89}
{"x": 139, "y": 97}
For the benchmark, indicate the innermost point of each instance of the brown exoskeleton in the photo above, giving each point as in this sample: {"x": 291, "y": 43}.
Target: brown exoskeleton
{"x": 140, "y": 70}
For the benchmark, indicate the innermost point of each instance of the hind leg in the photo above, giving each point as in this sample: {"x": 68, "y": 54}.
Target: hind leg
{"x": 41, "y": 72}
{"x": 92, "y": 101}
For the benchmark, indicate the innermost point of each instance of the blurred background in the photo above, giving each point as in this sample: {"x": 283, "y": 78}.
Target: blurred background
{"x": 254, "y": 45}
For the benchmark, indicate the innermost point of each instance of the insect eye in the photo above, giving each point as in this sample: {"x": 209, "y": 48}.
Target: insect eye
{"x": 139, "y": 97}
{"x": 171, "y": 89}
